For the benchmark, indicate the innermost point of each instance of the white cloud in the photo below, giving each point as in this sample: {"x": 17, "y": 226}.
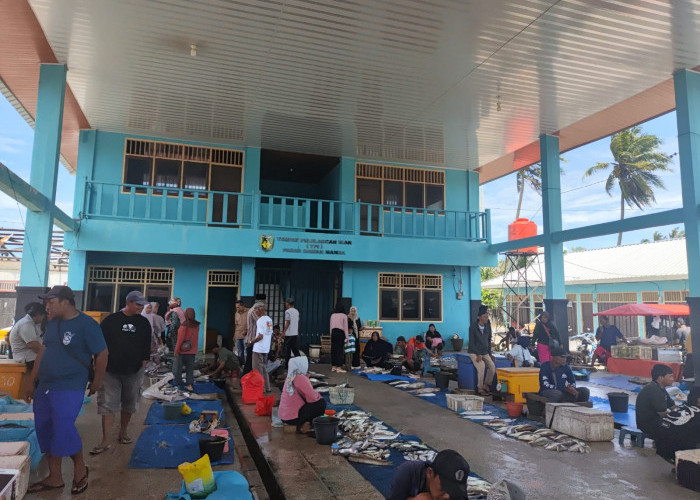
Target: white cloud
{"x": 12, "y": 145}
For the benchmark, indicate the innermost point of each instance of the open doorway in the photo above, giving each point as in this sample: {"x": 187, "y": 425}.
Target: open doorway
{"x": 219, "y": 321}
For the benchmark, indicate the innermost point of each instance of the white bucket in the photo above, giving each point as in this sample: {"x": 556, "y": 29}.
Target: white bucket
{"x": 314, "y": 351}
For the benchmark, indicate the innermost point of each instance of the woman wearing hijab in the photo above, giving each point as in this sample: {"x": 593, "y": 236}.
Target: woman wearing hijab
{"x": 186, "y": 349}
{"x": 433, "y": 339}
{"x": 520, "y": 353}
{"x": 147, "y": 313}
{"x": 375, "y": 353}
{"x": 547, "y": 336}
{"x": 339, "y": 337}
{"x": 299, "y": 402}
{"x": 354, "y": 328}
{"x": 174, "y": 317}
{"x": 158, "y": 323}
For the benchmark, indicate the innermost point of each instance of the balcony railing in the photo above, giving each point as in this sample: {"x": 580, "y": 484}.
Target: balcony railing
{"x": 114, "y": 201}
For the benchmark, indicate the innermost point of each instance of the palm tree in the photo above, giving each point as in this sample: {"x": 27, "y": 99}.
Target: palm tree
{"x": 637, "y": 158}
{"x": 531, "y": 175}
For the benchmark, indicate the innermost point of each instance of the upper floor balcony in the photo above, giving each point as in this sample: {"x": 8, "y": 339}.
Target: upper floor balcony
{"x": 138, "y": 203}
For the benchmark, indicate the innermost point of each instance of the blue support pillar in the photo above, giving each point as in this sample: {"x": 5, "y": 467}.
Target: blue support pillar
{"x": 346, "y": 186}
{"x": 84, "y": 169}
{"x": 474, "y": 272}
{"x": 251, "y": 171}
{"x": 247, "y": 285}
{"x": 687, "y": 87}
{"x": 347, "y": 280}
{"x": 77, "y": 272}
{"x": 555, "y": 293}
{"x": 36, "y": 252}
{"x": 45, "y": 155}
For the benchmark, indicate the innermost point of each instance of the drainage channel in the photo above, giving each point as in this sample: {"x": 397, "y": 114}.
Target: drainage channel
{"x": 272, "y": 486}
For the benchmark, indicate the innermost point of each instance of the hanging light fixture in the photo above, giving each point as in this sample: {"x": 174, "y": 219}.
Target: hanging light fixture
{"x": 193, "y": 49}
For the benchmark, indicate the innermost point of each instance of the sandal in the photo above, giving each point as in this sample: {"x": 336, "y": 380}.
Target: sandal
{"x": 81, "y": 485}
{"x": 97, "y": 450}
{"x": 125, "y": 440}
{"x": 42, "y": 486}
{"x": 189, "y": 388}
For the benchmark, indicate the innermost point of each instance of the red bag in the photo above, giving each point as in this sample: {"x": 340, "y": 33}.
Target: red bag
{"x": 263, "y": 406}
{"x": 252, "y": 384}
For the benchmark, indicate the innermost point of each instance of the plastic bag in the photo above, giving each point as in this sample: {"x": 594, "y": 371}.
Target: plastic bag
{"x": 198, "y": 476}
{"x": 252, "y": 384}
{"x": 263, "y": 406}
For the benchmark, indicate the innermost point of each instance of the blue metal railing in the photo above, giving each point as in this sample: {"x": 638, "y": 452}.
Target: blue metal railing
{"x": 104, "y": 200}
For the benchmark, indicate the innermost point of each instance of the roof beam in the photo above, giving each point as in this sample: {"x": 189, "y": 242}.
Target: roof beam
{"x": 664, "y": 218}
{"x": 20, "y": 190}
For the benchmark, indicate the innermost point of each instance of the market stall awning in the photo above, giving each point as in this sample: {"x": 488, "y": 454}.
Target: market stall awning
{"x": 647, "y": 310}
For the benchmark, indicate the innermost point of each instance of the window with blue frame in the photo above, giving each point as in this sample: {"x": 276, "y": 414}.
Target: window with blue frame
{"x": 400, "y": 186}
{"x": 410, "y": 297}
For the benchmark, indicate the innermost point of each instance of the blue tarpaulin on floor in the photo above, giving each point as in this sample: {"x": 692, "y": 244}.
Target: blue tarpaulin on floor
{"x": 616, "y": 382}
{"x": 204, "y": 388}
{"x": 229, "y": 485}
{"x": 167, "y": 446}
{"x": 380, "y": 377}
{"x": 155, "y": 412}
{"x": 627, "y": 419}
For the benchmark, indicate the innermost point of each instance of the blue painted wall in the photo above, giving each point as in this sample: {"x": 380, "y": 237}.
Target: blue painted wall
{"x": 190, "y": 280}
{"x": 455, "y": 313}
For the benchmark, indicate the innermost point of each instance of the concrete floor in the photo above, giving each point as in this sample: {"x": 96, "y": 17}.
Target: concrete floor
{"x": 110, "y": 478}
{"x": 609, "y": 472}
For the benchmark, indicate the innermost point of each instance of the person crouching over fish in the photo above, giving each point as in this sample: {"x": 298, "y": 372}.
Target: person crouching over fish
{"x": 299, "y": 403}
{"x": 445, "y": 478}
{"x": 557, "y": 381}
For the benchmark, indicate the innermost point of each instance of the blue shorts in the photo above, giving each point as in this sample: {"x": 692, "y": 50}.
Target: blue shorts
{"x": 55, "y": 413}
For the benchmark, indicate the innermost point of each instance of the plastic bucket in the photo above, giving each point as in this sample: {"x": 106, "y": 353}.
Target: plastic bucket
{"x": 212, "y": 446}
{"x": 172, "y": 411}
{"x": 314, "y": 351}
{"x": 619, "y": 402}
{"x": 326, "y": 429}
{"x": 442, "y": 381}
{"x": 514, "y": 409}
{"x": 457, "y": 344}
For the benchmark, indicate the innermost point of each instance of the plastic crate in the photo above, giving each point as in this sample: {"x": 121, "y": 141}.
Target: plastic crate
{"x": 473, "y": 403}
{"x": 341, "y": 395}
{"x": 454, "y": 401}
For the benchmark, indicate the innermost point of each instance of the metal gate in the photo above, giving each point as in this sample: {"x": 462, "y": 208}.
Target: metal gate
{"x": 315, "y": 287}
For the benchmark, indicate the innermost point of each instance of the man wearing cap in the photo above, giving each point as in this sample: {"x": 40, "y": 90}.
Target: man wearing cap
{"x": 62, "y": 367}
{"x": 443, "y": 479}
{"x": 128, "y": 337}
{"x": 557, "y": 381}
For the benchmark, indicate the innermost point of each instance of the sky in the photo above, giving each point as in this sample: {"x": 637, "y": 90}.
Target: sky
{"x": 584, "y": 201}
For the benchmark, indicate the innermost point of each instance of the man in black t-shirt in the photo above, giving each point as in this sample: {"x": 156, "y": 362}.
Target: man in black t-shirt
{"x": 128, "y": 338}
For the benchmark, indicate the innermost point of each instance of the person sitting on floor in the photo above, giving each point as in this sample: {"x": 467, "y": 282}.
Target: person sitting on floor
{"x": 653, "y": 404}
{"x": 445, "y": 478}
{"x": 520, "y": 353}
{"x": 400, "y": 348}
{"x": 433, "y": 340}
{"x": 414, "y": 354}
{"x": 607, "y": 336}
{"x": 299, "y": 402}
{"x": 224, "y": 364}
{"x": 557, "y": 381}
{"x": 375, "y": 353}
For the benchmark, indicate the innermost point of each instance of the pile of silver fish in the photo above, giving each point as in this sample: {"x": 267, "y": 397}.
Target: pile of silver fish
{"x": 370, "y": 441}
{"x": 545, "y": 438}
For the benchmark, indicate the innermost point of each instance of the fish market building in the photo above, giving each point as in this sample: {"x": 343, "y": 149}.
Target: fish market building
{"x": 326, "y": 153}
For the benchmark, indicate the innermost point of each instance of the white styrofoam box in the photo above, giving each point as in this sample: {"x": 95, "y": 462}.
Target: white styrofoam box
{"x": 22, "y": 464}
{"x": 14, "y": 448}
{"x": 580, "y": 422}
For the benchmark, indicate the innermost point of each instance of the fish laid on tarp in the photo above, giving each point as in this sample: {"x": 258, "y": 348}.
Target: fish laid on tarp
{"x": 477, "y": 487}
{"x": 423, "y": 456}
{"x": 364, "y": 459}
{"x": 414, "y": 385}
{"x": 424, "y": 390}
{"x": 426, "y": 395}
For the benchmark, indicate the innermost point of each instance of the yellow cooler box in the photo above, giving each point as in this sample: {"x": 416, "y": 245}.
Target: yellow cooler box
{"x": 11, "y": 374}
{"x": 520, "y": 380}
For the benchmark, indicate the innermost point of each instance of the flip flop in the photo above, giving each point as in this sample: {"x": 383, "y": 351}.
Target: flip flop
{"x": 97, "y": 450}
{"x": 42, "y": 486}
{"x": 125, "y": 440}
{"x": 77, "y": 489}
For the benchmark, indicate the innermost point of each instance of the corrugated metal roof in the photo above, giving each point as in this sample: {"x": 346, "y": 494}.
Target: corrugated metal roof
{"x": 659, "y": 260}
{"x": 403, "y": 80}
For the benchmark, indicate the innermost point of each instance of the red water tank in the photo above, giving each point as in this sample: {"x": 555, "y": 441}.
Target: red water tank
{"x": 522, "y": 228}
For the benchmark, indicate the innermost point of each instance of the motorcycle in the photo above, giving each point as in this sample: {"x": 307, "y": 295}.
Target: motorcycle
{"x": 587, "y": 345}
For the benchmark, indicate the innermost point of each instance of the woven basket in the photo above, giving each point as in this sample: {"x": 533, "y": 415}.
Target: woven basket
{"x": 341, "y": 395}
